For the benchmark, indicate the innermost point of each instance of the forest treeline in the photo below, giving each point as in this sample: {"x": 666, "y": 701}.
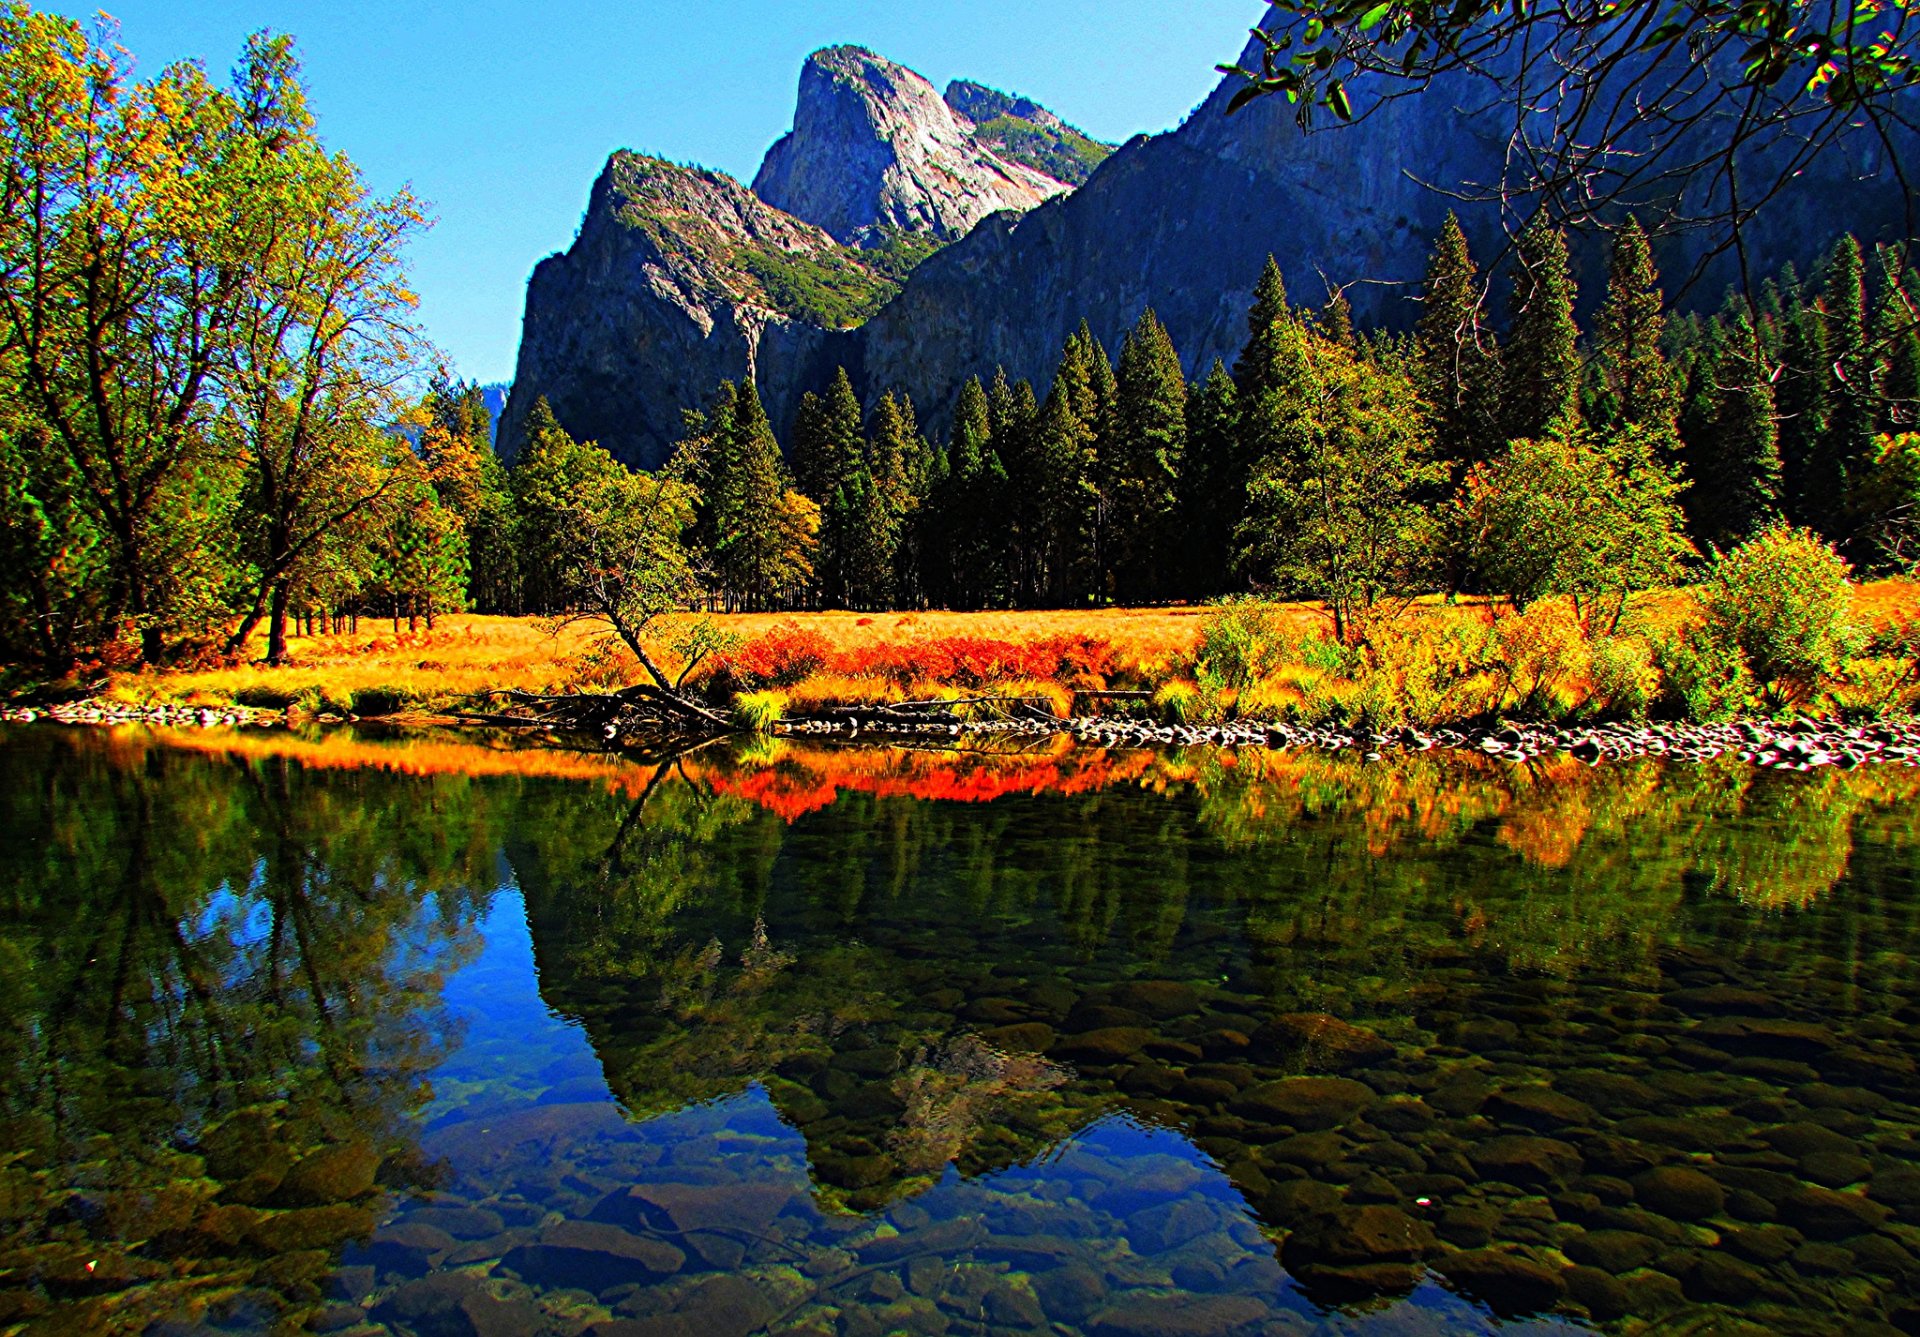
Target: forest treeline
{"x": 210, "y": 422}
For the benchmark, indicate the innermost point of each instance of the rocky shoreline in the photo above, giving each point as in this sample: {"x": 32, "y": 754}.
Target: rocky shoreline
{"x": 1800, "y": 744}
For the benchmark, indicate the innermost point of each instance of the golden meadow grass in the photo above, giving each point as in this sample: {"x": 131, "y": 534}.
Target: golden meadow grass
{"x": 467, "y": 656}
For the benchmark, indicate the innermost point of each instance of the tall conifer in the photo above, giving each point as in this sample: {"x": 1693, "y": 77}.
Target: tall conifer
{"x": 1637, "y": 385}
{"x": 1144, "y": 462}
{"x": 1456, "y": 363}
{"x": 1213, "y": 487}
{"x": 1541, "y": 392}
{"x": 1735, "y": 460}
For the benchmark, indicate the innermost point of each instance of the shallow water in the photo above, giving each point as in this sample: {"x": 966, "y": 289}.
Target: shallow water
{"x": 431, "y": 1036}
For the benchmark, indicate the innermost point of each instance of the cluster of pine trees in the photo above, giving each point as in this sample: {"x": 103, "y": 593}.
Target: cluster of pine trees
{"x": 1328, "y": 457}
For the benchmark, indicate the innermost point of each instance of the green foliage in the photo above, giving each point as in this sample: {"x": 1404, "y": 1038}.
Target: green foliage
{"x": 1140, "y": 466}
{"x": 1704, "y": 673}
{"x": 1242, "y": 641}
{"x": 829, "y": 288}
{"x": 1335, "y": 508}
{"x": 1456, "y": 363}
{"x": 1784, "y": 601}
{"x": 1060, "y": 151}
{"x": 1584, "y": 516}
{"x": 1734, "y": 452}
{"x": 1540, "y": 394}
{"x": 758, "y": 712}
{"x": 1636, "y": 386}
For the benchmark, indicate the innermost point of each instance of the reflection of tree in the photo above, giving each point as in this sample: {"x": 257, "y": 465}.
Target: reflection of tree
{"x": 222, "y": 997}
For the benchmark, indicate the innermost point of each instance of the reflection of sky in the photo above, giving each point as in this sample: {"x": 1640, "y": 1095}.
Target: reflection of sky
{"x": 526, "y": 1083}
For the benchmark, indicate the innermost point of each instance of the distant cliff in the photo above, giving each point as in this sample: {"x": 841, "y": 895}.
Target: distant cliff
{"x": 1180, "y": 221}
{"x": 682, "y": 277}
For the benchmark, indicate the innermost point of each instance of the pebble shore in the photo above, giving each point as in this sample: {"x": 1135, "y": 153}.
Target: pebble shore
{"x": 1801, "y": 744}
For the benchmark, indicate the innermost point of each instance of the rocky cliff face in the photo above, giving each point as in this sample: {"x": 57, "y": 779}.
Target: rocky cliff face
{"x": 655, "y": 303}
{"x": 1183, "y": 222}
{"x": 875, "y": 151}
{"x": 669, "y": 290}
{"x": 681, "y": 278}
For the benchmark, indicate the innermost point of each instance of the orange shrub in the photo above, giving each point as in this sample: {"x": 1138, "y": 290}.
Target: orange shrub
{"x": 976, "y": 661}
{"x": 782, "y": 657}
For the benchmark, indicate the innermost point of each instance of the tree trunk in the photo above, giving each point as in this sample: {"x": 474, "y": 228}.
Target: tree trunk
{"x": 277, "y": 626}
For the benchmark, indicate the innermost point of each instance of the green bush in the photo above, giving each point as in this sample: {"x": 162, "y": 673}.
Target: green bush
{"x": 1784, "y": 601}
{"x": 1706, "y": 675}
{"x": 1241, "y": 642}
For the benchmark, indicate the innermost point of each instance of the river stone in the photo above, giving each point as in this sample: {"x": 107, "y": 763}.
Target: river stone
{"x": 1610, "y": 1091}
{"x": 1029, "y": 1037}
{"x": 1402, "y": 1114}
{"x": 739, "y": 1206}
{"x": 1108, "y": 1044}
{"x": 1525, "y": 1161}
{"x": 1835, "y": 1169}
{"x": 1509, "y": 1284}
{"x": 1310, "y": 1151}
{"x": 457, "y": 1304}
{"x": 1800, "y": 1140}
{"x": 303, "y": 1228}
{"x": 942, "y": 1237}
{"x": 592, "y": 1256}
{"x": 1170, "y": 1225}
{"x": 1484, "y": 1034}
{"x": 1310, "y": 1103}
{"x": 1160, "y": 999}
{"x": 1614, "y": 1251}
{"x": 463, "y": 1223}
{"x": 1765, "y": 1037}
{"x": 1723, "y": 1000}
{"x": 1537, "y": 1107}
{"x": 1178, "y": 1316}
{"x": 1100, "y": 1016}
{"x": 1718, "y": 1277}
{"x": 1605, "y": 1297}
{"x": 1762, "y": 1244}
{"x": 1328, "y": 1043}
{"x": 1296, "y": 1200}
{"x": 1899, "y": 1189}
{"x": 331, "y": 1174}
{"x": 1352, "y": 1236}
{"x": 1068, "y": 1293}
{"x": 1678, "y": 1192}
{"x": 1825, "y": 1214}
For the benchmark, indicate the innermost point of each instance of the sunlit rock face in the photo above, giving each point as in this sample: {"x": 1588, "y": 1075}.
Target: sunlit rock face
{"x": 653, "y": 305}
{"x": 874, "y": 150}
{"x": 682, "y": 277}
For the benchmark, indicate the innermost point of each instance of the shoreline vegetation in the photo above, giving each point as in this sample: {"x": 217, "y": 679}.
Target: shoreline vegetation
{"x": 1475, "y": 674}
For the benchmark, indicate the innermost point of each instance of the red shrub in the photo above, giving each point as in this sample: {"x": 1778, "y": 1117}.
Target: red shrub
{"x": 974, "y": 661}
{"x": 777, "y": 658}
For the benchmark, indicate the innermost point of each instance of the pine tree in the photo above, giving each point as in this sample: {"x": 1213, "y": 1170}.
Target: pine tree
{"x": 1143, "y": 465}
{"x": 1804, "y": 395}
{"x": 1014, "y": 417}
{"x": 826, "y": 437}
{"x": 1541, "y": 385}
{"x": 747, "y": 503}
{"x": 1336, "y": 322}
{"x": 1067, "y": 442}
{"x": 1456, "y": 363}
{"x": 1896, "y": 337}
{"x": 552, "y": 470}
{"x": 1212, "y": 485}
{"x": 1735, "y": 459}
{"x": 1637, "y": 385}
{"x": 1848, "y": 453}
{"x": 967, "y": 505}
{"x": 1258, "y": 368}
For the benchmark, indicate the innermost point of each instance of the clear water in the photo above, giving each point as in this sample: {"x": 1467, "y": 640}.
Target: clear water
{"x": 431, "y": 1036}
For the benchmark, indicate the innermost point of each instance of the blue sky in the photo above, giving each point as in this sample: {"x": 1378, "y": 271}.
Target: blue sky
{"x": 500, "y": 114}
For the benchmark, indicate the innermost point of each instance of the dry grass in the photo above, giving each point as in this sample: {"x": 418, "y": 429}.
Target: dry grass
{"x": 468, "y": 655}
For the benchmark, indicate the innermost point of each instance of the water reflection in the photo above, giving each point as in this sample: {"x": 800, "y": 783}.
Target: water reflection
{"x": 430, "y": 1035}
